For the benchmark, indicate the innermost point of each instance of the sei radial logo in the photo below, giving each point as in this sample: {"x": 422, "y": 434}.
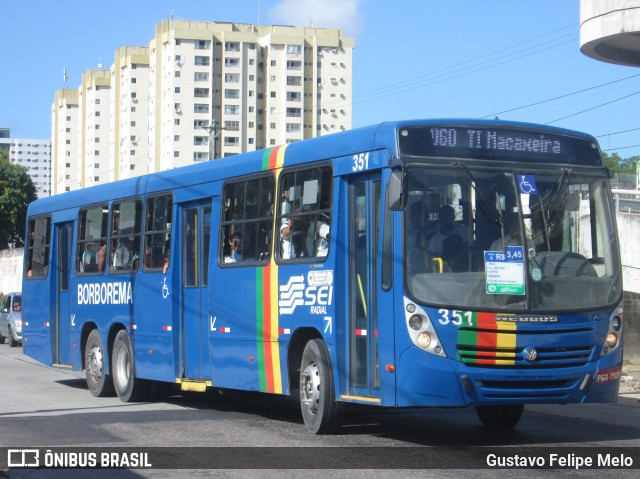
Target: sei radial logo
{"x": 316, "y": 292}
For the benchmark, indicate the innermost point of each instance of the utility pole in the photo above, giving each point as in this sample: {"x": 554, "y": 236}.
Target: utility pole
{"x": 214, "y": 131}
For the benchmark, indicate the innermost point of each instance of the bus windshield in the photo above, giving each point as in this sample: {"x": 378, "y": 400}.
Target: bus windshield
{"x": 482, "y": 238}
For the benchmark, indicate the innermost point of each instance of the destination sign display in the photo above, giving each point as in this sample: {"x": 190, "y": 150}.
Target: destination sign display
{"x": 497, "y": 143}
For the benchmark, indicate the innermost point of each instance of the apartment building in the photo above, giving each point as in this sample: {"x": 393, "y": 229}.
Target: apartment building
{"x": 246, "y": 86}
{"x": 129, "y": 112}
{"x": 66, "y": 164}
{"x": 94, "y": 140}
{"x": 35, "y": 156}
{"x": 263, "y": 85}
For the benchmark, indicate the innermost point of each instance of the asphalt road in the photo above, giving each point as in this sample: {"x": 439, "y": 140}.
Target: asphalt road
{"x": 50, "y": 408}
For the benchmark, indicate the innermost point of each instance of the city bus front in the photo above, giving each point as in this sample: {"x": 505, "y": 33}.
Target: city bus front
{"x": 512, "y": 276}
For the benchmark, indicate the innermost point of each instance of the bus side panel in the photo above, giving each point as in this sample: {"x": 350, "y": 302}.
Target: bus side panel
{"x": 154, "y": 333}
{"x": 37, "y": 304}
{"x": 236, "y": 358}
{"x": 307, "y": 300}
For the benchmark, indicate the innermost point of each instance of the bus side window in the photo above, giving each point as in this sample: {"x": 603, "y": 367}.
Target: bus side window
{"x": 157, "y": 234}
{"x": 38, "y": 248}
{"x": 304, "y": 215}
{"x": 247, "y": 221}
{"x": 92, "y": 239}
{"x": 125, "y": 236}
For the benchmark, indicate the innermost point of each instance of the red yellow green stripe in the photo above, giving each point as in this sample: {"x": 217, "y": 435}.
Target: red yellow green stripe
{"x": 269, "y": 366}
{"x": 488, "y": 341}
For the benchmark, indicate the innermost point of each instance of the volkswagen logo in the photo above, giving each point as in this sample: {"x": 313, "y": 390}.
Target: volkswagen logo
{"x": 530, "y": 354}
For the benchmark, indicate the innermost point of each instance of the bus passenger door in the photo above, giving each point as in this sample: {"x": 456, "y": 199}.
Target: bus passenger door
{"x": 196, "y": 235}
{"x": 61, "y": 330}
{"x": 364, "y": 228}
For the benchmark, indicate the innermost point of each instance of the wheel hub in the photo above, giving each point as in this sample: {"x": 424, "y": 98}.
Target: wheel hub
{"x": 310, "y": 387}
{"x": 95, "y": 363}
{"x": 123, "y": 368}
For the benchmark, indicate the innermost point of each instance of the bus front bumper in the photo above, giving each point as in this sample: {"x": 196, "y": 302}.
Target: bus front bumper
{"x": 428, "y": 380}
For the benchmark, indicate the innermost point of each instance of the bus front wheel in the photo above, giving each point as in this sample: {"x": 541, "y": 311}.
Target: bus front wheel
{"x": 320, "y": 410}
{"x": 500, "y": 417}
{"x": 127, "y": 386}
{"x": 98, "y": 381}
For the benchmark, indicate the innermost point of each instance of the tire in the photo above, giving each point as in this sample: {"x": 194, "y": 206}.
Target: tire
{"x": 12, "y": 341}
{"x": 2, "y": 339}
{"x": 320, "y": 411}
{"x": 127, "y": 386}
{"x": 500, "y": 417}
{"x": 98, "y": 381}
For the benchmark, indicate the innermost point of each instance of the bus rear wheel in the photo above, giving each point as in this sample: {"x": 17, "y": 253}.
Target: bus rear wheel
{"x": 127, "y": 386}
{"x": 320, "y": 410}
{"x": 500, "y": 417}
{"x": 98, "y": 381}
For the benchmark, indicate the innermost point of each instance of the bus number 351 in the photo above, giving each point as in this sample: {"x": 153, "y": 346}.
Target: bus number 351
{"x": 361, "y": 162}
{"x": 455, "y": 317}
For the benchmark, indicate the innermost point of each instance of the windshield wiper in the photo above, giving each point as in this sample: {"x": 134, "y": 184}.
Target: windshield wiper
{"x": 559, "y": 196}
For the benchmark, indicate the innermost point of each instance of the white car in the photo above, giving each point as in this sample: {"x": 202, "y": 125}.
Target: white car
{"x": 11, "y": 319}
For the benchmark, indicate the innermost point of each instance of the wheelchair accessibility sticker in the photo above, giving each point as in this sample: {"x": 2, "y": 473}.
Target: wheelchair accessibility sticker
{"x": 527, "y": 184}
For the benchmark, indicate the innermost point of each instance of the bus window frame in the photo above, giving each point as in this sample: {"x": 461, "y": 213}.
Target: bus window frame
{"x": 111, "y": 237}
{"x": 29, "y": 248}
{"x": 79, "y": 242}
{"x": 145, "y": 232}
{"x": 224, "y": 223}
{"x": 279, "y": 215}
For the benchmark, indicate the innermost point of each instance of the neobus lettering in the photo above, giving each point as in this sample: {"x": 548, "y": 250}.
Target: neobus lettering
{"x": 105, "y": 293}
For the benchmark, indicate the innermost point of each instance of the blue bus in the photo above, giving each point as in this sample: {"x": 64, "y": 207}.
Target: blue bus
{"x": 432, "y": 263}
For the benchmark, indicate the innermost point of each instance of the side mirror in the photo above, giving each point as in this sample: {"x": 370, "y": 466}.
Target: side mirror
{"x": 395, "y": 191}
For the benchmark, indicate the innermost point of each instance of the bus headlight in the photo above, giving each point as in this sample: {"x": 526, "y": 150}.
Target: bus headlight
{"x": 421, "y": 330}
{"x": 612, "y": 340}
{"x": 424, "y": 340}
{"x": 415, "y": 322}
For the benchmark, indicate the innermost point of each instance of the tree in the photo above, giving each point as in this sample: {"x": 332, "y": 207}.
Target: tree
{"x": 16, "y": 192}
{"x": 620, "y": 165}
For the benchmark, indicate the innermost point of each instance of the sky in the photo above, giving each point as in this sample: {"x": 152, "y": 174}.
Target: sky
{"x": 514, "y": 59}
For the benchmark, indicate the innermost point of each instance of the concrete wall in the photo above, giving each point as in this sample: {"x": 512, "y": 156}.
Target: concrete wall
{"x": 631, "y": 334}
{"x": 11, "y": 270}
{"x": 629, "y": 232}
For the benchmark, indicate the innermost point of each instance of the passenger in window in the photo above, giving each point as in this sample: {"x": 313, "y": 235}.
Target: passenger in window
{"x": 324, "y": 236}
{"x": 235, "y": 248}
{"x": 121, "y": 256}
{"x": 89, "y": 258}
{"x": 165, "y": 257}
{"x": 293, "y": 237}
{"x": 446, "y": 228}
{"x": 287, "y": 234}
{"x": 450, "y": 241}
{"x": 102, "y": 253}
